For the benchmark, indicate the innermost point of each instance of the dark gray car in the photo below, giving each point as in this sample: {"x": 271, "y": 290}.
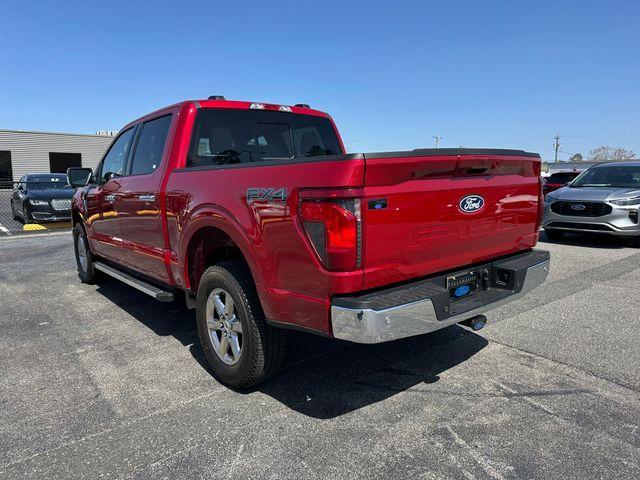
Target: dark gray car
{"x": 603, "y": 199}
{"x": 42, "y": 197}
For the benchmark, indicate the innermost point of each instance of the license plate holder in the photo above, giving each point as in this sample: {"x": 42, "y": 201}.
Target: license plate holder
{"x": 462, "y": 285}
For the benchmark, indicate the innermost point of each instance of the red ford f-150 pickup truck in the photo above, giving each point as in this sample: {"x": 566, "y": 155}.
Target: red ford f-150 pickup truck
{"x": 257, "y": 215}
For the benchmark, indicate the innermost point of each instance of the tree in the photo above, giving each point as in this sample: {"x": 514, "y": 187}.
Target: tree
{"x": 606, "y": 153}
{"x": 577, "y": 157}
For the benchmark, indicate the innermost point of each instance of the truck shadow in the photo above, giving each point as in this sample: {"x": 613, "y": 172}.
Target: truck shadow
{"x": 325, "y": 378}
{"x": 321, "y": 378}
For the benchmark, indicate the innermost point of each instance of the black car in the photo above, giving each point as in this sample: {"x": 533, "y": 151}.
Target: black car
{"x": 42, "y": 197}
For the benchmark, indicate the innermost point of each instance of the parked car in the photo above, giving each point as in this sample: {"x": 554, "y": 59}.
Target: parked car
{"x": 603, "y": 199}
{"x": 558, "y": 180}
{"x": 257, "y": 215}
{"x": 42, "y": 197}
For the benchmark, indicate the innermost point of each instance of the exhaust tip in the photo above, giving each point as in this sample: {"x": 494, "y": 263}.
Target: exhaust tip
{"x": 476, "y": 323}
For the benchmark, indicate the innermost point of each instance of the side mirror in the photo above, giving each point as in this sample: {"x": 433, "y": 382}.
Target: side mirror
{"x": 79, "y": 176}
{"x": 21, "y": 187}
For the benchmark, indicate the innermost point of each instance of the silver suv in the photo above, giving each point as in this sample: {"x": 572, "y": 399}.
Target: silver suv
{"x": 603, "y": 199}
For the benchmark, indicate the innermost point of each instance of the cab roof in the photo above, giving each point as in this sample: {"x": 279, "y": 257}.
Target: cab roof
{"x": 242, "y": 104}
{"x": 233, "y": 104}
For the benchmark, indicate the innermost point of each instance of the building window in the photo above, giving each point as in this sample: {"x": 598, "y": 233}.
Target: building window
{"x": 6, "y": 170}
{"x": 59, "y": 162}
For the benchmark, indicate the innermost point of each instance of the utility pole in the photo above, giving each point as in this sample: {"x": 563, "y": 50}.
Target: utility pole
{"x": 556, "y": 146}
{"x": 437, "y": 140}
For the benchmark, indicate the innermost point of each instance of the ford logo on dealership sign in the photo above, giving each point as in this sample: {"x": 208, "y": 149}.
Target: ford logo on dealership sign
{"x": 471, "y": 203}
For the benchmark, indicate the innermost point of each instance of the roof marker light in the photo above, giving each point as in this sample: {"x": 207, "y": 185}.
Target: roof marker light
{"x": 284, "y": 109}
{"x": 257, "y": 106}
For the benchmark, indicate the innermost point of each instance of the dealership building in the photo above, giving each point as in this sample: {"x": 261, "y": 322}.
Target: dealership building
{"x": 24, "y": 152}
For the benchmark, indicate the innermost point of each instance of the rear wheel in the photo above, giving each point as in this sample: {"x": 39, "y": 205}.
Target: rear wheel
{"x": 84, "y": 257}
{"x": 553, "y": 234}
{"x": 240, "y": 347}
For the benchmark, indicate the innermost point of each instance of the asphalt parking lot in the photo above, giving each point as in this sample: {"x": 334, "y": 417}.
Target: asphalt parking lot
{"x": 102, "y": 382}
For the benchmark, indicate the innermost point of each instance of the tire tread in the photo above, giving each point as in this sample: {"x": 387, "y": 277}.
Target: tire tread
{"x": 271, "y": 345}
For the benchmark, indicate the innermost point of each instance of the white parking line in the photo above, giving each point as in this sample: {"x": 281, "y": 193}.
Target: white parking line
{"x": 479, "y": 458}
{"x": 526, "y": 398}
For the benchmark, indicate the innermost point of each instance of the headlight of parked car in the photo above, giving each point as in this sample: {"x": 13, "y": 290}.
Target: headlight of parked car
{"x": 626, "y": 201}
{"x": 548, "y": 199}
{"x": 38, "y": 202}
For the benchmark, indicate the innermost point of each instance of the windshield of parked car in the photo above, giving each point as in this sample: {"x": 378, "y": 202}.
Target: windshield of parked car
{"x": 222, "y": 136}
{"x": 622, "y": 176}
{"x": 46, "y": 182}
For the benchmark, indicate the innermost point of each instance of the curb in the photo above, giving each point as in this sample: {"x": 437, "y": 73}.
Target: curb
{"x": 21, "y": 236}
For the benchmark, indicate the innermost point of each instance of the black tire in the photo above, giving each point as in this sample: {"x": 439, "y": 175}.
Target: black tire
{"x": 87, "y": 274}
{"x": 553, "y": 234}
{"x": 16, "y": 217}
{"x": 263, "y": 346}
{"x": 26, "y": 216}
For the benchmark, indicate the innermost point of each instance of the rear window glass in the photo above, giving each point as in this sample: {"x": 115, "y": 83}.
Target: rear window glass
{"x": 148, "y": 153}
{"x": 222, "y": 137}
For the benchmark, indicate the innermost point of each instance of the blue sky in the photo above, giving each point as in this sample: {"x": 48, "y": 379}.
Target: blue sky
{"x": 477, "y": 73}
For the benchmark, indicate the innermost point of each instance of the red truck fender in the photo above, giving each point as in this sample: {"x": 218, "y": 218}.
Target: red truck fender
{"x": 212, "y": 216}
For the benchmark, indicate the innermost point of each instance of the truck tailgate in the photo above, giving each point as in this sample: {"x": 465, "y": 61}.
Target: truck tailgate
{"x": 414, "y": 224}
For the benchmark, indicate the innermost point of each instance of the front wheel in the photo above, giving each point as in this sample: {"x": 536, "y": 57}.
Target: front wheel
{"x": 13, "y": 212}
{"x": 84, "y": 257}
{"x": 240, "y": 347}
{"x": 553, "y": 234}
{"x": 26, "y": 216}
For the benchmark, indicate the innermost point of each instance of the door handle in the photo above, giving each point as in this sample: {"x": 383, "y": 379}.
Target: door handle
{"x": 147, "y": 198}
{"x": 110, "y": 198}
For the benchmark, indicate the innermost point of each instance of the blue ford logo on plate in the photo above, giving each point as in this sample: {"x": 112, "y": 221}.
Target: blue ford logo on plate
{"x": 471, "y": 203}
{"x": 461, "y": 291}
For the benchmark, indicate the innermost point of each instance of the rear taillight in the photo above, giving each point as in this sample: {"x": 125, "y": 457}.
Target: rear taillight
{"x": 540, "y": 203}
{"x": 333, "y": 226}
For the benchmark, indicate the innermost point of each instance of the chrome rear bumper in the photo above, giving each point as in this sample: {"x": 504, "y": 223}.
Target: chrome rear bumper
{"x": 376, "y": 325}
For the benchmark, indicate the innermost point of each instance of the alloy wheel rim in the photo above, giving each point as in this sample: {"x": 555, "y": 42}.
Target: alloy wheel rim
{"x": 224, "y": 326}
{"x": 82, "y": 253}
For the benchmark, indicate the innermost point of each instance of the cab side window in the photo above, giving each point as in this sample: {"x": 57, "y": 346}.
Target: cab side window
{"x": 114, "y": 162}
{"x": 150, "y": 146}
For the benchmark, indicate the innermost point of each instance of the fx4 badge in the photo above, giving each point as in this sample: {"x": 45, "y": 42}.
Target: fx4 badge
{"x": 266, "y": 194}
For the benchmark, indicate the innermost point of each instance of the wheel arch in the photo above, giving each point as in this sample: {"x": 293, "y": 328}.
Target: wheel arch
{"x": 210, "y": 240}
{"x": 75, "y": 217}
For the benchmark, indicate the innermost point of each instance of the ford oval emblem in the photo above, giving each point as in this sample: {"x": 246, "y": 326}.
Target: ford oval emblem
{"x": 578, "y": 206}
{"x": 461, "y": 291}
{"x": 471, "y": 203}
